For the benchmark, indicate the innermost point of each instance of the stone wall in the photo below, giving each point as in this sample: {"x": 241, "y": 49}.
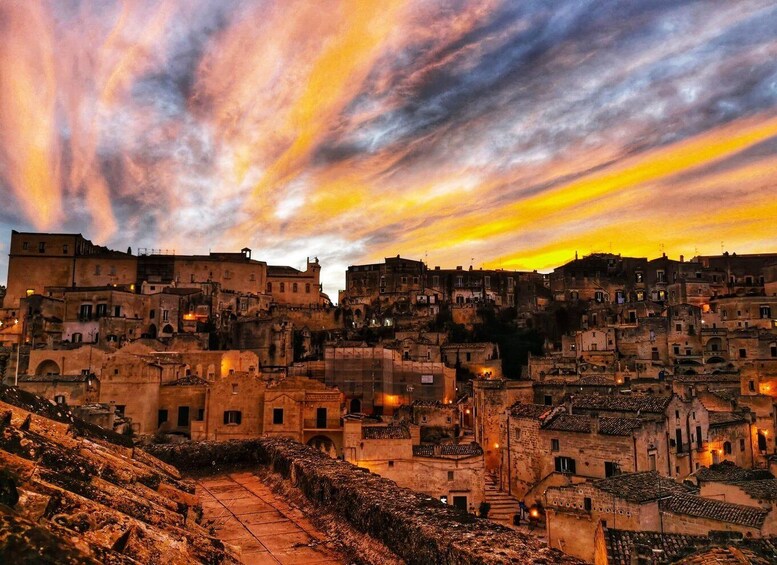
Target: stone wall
{"x": 417, "y": 528}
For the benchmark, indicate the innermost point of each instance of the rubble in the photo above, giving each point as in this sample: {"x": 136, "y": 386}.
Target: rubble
{"x": 73, "y": 493}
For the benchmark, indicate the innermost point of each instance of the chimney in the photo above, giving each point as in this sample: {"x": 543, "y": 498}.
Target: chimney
{"x": 682, "y": 258}
{"x": 594, "y": 423}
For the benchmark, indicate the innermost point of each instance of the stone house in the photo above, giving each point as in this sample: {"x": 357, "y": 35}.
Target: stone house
{"x": 73, "y": 390}
{"x": 490, "y": 399}
{"x": 453, "y": 473}
{"x": 627, "y": 501}
{"x": 541, "y": 441}
{"x": 182, "y": 403}
{"x": 290, "y": 286}
{"x": 377, "y": 380}
{"x": 480, "y": 359}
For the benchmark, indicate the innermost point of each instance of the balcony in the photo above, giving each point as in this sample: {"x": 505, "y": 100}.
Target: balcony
{"x": 328, "y": 424}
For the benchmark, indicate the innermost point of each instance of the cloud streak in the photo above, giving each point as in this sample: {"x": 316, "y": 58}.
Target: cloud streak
{"x": 500, "y": 131}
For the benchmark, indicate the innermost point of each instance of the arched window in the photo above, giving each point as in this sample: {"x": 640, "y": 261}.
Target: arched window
{"x": 269, "y": 286}
{"x": 294, "y": 287}
{"x": 283, "y": 287}
{"x": 727, "y": 448}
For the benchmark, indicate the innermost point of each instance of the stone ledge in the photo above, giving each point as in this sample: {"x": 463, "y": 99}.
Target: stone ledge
{"x": 416, "y": 527}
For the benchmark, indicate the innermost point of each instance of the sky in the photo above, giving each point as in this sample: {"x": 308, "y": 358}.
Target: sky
{"x": 499, "y": 134}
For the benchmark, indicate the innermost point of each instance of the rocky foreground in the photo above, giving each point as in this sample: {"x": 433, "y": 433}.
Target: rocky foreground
{"x": 71, "y": 492}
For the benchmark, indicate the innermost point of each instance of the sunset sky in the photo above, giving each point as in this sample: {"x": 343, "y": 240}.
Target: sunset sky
{"x": 498, "y": 133}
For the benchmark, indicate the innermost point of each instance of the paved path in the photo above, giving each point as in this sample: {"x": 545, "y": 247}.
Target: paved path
{"x": 247, "y": 514}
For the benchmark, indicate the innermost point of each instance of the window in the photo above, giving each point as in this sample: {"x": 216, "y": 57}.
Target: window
{"x": 25, "y": 245}
{"x": 390, "y": 464}
{"x": 676, "y": 349}
{"x": 183, "y": 416}
{"x": 487, "y": 282}
{"x": 773, "y": 349}
{"x": 766, "y": 312}
{"x": 587, "y": 504}
{"x": 277, "y": 416}
{"x": 117, "y": 311}
{"x": 599, "y": 296}
{"x": 742, "y": 353}
{"x": 42, "y": 247}
{"x": 742, "y": 444}
{"x": 161, "y": 417}
{"x": 727, "y": 448}
{"x": 699, "y": 437}
{"x": 660, "y": 276}
{"x": 679, "y": 440}
{"x": 321, "y": 414}
{"x": 85, "y": 311}
{"x": 233, "y": 417}
{"x": 283, "y": 287}
{"x": 678, "y": 327}
{"x": 59, "y": 399}
{"x": 64, "y": 249}
{"x": 548, "y": 400}
{"x": 307, "y": 288}
{"x": 404, "y": 280}
{"x": 294, "y": 287}
{"x": 640, "y": 295}
{"x": 112, "y": 270}
{"x": 76, "y": 337}
{"x": 638, "y": 277}
{"x": 751, "y": 386}
{"x": 565, "y": 465}
{"x": 415, "y": 280}
{"x": 102, "y": 310}
{"x": 469, "y": 356}
{"x": 269, "y": 286}
{"x": 165, "y": 315}
{"x": 654, "y": 353}
{"x": 152, "y": 314}
{"x": 554, "y": 446}
{"x": 436, "y": 280}
{"x": 234, "y": 388}
{"x": 611, "y": 468}
{"x": 450, "y": 475}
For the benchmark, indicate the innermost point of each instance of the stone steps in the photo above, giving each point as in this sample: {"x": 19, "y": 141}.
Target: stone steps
{"x": 503, "y": 505}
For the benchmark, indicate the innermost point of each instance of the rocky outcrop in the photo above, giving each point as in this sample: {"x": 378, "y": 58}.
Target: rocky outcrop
{"x": 71, "y": 492}
{"x": 417, "y": 528}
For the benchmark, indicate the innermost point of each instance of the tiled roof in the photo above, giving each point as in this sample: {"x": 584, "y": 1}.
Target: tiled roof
{"x": 708, "y": 378}
{"x": 448, "y": 450}
{"x": 724, "y": 419}
{"x": 692, "y": 505}
{"x": 621, "y": 402}
{"x": 190, "y": 380}
{"x": 581, "y": 423}
{"x": 726, "y": 556}
{"x": 728, "y": 471}
{"x": 764, "y": 489}
{"x": 687, "y": 549}
{"x": 385, "y": 432}
{"x": 621, "y": 545}
{"x": 533, "y": 411}
{"x": 640, "y": 487}
{"x": 50, "y": 378}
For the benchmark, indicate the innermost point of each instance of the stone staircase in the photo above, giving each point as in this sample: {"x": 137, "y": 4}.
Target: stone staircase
{"x": 503, "y": 506}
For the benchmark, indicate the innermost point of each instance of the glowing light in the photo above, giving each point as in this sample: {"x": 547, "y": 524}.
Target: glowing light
{"x": 496, "y": 445}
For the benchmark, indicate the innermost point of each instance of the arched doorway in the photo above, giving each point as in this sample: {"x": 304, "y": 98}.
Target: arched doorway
{"x": 356, "y": 406}
{"x": 47, "y": 367}
{"x": 323, "y": 444}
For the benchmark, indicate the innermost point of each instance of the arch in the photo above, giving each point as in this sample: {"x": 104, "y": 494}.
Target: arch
{"x": 727, "y": 448}
{"x": 716, "y": 360}
{"x": 355, "y": 406}
{"x": 152, "y": 331}
{"x": 168, "y": 329}
{"x": 324, "y": 444}
{"x": 47, "y": 367}
{"x": 715, "y": 344}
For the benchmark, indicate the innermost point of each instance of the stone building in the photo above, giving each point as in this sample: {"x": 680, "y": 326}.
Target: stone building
{"x": 378, "y": 380}
{"x": 480, "y": 359}
{"x": 628, "y": 501}
{"x": 600, "y": 277}
{"x": 490, "y": 399}
{"x": 453, "y": 473}
{"x": 40, "y": 260}
{"x": 292, "y": 287}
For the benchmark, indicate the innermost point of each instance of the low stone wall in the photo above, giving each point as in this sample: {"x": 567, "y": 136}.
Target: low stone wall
{"x": 416, "y": 527}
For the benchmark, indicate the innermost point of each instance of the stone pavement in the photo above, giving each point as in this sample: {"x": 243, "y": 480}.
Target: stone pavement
{"x": 245, "y": 513}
